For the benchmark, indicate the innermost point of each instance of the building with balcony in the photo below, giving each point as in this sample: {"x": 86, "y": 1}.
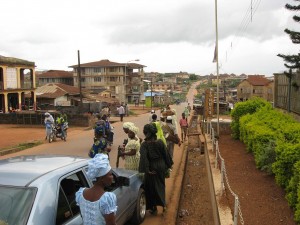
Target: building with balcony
{"x": 17, "y": 76}
{"x": 55, "y": 76}
{"x": 124, "y": 80}
{"x": 255, "y": 85}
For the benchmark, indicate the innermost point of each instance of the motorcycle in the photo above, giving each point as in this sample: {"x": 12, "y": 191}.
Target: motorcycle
{"x": 57, "y": 131}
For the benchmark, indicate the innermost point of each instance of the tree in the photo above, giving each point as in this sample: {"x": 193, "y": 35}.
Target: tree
{"x": 292, "y": 61}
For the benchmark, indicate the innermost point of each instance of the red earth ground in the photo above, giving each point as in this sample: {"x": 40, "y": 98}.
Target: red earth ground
{"x": 262, "y": 201}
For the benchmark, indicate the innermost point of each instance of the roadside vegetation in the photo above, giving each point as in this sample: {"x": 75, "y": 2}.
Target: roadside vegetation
{"x": 274, "y": 139}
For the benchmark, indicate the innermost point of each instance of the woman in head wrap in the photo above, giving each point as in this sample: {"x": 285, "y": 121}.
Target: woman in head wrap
{"x": 97, "y": 206}
{"x": 131, "y": 151}
{"x": 154, "y": 162}
{"x": 159, "y": 134}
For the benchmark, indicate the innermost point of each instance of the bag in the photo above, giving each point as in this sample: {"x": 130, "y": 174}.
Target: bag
{"x": 172, "y": 138}
{"x": 170, "y": 135}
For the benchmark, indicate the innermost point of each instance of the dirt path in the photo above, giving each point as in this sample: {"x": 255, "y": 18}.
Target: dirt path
{"x": 262, "y": 201}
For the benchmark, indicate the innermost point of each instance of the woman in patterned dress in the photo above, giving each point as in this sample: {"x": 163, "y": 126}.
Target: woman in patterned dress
{"x": 131, "y": 152}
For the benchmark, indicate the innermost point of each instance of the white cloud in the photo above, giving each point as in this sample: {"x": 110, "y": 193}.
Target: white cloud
{"x": 166, "y": 35}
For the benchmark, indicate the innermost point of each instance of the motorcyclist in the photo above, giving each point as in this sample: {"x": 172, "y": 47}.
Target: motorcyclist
{"x": 49, "y": 121}
{"x": 60, "y": 122}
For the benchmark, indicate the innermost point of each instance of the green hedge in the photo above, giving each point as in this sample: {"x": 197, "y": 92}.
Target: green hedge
{"x": 243, "y": 108}
{"x": 274, "y": 139}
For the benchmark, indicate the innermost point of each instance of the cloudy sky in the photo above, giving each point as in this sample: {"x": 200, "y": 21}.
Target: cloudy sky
{"x": 165, "y": 35}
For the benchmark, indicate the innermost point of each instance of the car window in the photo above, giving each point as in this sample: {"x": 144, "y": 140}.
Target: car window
{"x": 15, "y": 204}
{"x": 67, "y": 208}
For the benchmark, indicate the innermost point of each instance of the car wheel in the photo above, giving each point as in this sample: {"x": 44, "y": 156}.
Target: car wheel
{"x": 140, "y": 208}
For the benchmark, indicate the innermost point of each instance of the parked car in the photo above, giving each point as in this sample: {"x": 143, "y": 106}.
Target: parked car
{"x": 197, "y": 103}
{"x": 41, "y": 189}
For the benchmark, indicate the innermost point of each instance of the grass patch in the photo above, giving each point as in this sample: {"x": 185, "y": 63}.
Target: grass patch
{"x": 23, "y": 146}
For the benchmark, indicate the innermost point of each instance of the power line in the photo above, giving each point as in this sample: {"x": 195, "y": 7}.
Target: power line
{"x": 247, "y": 19}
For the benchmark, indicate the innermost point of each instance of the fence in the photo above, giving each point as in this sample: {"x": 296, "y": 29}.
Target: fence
{"x": 220, "y": 163}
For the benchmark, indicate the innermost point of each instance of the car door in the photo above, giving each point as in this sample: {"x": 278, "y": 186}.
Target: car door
{"x": 67, "y": 211}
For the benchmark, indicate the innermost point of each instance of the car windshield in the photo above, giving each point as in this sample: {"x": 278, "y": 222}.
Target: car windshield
{"x": 198, "y": 101}
{"x": 15, "y": 204}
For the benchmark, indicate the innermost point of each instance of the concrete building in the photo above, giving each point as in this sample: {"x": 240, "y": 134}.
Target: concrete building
{"x": 124, "y": 80}
{"x": 255, "y": 85}
{"x": 17, "y": 76}
{"x": 55, "y": 76}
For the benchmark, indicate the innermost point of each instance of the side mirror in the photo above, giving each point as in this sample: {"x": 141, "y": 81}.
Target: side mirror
{"x": 123, "y": 181}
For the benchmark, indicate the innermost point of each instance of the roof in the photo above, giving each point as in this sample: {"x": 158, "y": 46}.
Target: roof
{"x": 22, "y": 170}
{"x": 107, "y": 63}
{"x": 15, "y": 61}
{"x": 56, "y": 74}
{"x": 258, "y": 80}
{"x": 98, "y": 98}
{"x": 55, "y": 90}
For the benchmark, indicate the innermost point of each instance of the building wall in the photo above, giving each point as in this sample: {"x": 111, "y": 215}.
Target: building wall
{"x": 245, "y": 91}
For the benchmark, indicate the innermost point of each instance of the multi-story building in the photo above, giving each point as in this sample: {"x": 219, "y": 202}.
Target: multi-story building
{"x": 255, "y": 85}
{"x": 17, "y": 76}
{"x": 55, "y": 76}
{"x": 124, "y": 80}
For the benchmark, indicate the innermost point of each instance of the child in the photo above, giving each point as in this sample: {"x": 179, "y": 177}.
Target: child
{"x": 184, "y": 126}
{"x": 100, "y": 143}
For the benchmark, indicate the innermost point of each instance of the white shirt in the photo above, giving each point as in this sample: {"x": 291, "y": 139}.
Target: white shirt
{"x": 121, "y": 110}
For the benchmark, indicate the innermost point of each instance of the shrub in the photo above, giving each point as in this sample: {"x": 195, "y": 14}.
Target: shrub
{"x": 243, "y": 108}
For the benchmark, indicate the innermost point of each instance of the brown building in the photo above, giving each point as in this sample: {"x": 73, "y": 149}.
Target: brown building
{"x": 255, "y": 85}
{"x": 124, "y": 80}
{"x": 55, "y": 76}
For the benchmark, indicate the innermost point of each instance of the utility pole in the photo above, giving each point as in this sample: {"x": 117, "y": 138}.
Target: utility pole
{"x": 289, "y": 76}
{"x": 217, "y": 63}
{"x": 79, "y": 78}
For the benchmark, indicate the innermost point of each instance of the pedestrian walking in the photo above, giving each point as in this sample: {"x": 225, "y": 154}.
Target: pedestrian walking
{"x": 154, "y": 163}
{"x": 160, "y": 133}
{"x": 121, "y": 112}
{"x": 183, "y": 122}
{"x": 171, "y": 135}
{"x": 150, "y": 116}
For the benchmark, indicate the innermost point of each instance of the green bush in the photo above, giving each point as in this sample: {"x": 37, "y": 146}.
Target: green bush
{"x": 274, "y": 139}
{"x": 287, "y": 154}
{"x": 293, "y": 190}
{"x": 243, "y": 108}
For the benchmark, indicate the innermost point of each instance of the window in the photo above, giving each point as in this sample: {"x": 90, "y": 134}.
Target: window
{"x": 112, "y": 69}
{"x": 67, "y": 208}
{"x": 97, "y": 70}
{"x": 113, "y": 79}
{"x": 97, "y": 79}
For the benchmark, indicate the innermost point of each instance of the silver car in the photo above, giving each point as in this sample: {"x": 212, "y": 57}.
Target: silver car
{"x": 40, "y": 190}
